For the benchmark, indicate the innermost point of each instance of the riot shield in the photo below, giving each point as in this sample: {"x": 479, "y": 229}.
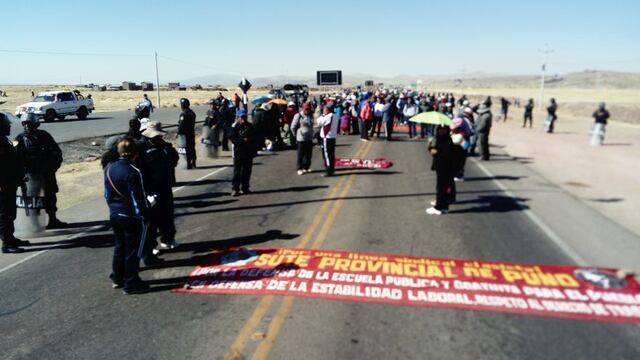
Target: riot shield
{"x": 181, "y": 143}
{"x": 31, "y": 217}
{"x": 210, "y": 144}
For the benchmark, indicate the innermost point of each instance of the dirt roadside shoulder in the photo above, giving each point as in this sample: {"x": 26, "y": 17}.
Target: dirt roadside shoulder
{"x": 603, "y": 177}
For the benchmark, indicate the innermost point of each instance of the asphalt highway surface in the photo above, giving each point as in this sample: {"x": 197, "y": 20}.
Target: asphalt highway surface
{"x": 58, "y": 303}
{"x": 104, "y": 123}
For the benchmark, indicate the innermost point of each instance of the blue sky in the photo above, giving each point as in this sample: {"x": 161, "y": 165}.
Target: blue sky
{"x": 262, "y": 38}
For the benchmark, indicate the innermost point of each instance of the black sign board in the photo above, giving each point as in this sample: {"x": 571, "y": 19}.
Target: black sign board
{"x": 329, "y": 77}
{"x": 244, "y": 85}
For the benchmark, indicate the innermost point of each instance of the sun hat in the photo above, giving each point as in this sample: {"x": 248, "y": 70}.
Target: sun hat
{"x": 144, "y": 123}
{"x": 154, "y": 128}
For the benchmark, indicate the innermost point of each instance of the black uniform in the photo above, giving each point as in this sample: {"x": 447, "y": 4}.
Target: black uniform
{"x": 260, "y": 124}
{"x": 228, "y": 117}
{"x": 504, "y": 103}
{"x": 159, "y": 176}
{"x": 215, "y": 121}
{"x": 41, "y": 155}
{"x": 528, "y": 114}
{"x": 11, "y": 177}
{"x": 244, "y": 149}
{"x": 551, "y": 116}
{"x": 601, "y": 116}
{"x": 187, "y": 127}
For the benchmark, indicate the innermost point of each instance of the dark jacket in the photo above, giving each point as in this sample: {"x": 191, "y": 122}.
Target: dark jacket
{"x": 260, "y": 122}
{"x": 528, "y": 109}
{"x": 159, "y": 168}
{"x": 443, "y": 159}
{"x": 551, "y": 110}
{"x": 214, "y": 119}
{"x": 123, "y": 189}
{"x": 39, "y": 152}
{"x": 11, "y": 169}
{"x": 601, "y": 116}
{"x": 187, "y": 123}
{"x": 243, "y": 139}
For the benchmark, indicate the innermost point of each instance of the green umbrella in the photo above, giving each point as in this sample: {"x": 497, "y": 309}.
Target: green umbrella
{"x": 431, "y": 117}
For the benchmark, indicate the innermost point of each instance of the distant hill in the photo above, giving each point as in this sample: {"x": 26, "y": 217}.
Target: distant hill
{"x": 588, "y": 79}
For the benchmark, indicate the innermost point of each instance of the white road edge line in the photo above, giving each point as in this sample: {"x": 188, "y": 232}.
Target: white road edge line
{"x": 568, "y": 250}
{"x": 32, "y": 256}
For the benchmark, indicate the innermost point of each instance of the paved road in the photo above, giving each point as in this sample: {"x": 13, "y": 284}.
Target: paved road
{"x": 59, "y": 304}
{"x": 104, "y": 123}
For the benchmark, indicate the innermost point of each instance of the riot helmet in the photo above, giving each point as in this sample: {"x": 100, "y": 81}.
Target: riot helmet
{"x": 184, "y": 103}
{"x": 29, "y": 121}
{"x": 5, "y": 125}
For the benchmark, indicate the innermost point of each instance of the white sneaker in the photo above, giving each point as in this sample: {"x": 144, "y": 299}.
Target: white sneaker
{"x": 434, "y": 211}
{"x": 155, "y": 251}
{"x": 300, "y": 172}
{"x": 458, "y": 179}
{"x": 432, "y": 203}
{"x": 172, "y": 245}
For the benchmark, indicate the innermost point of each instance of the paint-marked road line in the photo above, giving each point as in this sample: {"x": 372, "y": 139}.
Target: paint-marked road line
{"x": 238, "y": 345}
{"x": 22, "y": 261}
{"x": 241, "y": 340}
{"x": 32, "y": 256}
{"x": 263, "y": 350}
{"x": 552, "y": 235}
{"x": 93, "y": 228}
{"x": 200, "y": 179}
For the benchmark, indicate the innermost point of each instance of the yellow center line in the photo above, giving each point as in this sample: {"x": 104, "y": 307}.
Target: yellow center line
{"x": 263, "y": 350}
{"x": 235, "y": 351}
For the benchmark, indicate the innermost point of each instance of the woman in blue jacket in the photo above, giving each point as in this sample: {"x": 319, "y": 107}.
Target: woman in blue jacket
{"x": 128, "y": 209}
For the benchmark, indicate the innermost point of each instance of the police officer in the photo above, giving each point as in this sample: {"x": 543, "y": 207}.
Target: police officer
{"x": 186, "y": 127}
{"x": 160, "y": 160}
{"x": 128, "y": 211}
{"x": 11, "y": 176}
{"x": 40, "y": 154}
{"x": 228, "y": 112}
{"x": 244, "y": 149}
{"x": 215, "y": 121}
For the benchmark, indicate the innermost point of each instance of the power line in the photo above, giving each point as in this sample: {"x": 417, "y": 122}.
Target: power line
{"x": 191, "y": 63}
{"x": 71, "y": 53}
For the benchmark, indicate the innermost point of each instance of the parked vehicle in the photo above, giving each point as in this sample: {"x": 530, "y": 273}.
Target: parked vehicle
{"x": 53, "y": 105}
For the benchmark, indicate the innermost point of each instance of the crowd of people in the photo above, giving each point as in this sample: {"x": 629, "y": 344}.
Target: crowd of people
{"x": 139, "y": 167}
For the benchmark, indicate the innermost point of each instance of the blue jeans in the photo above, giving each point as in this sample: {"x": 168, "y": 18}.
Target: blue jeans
{"x": 127, "y": 235}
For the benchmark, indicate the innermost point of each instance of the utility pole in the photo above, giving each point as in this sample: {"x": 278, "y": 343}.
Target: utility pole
{"x": 157, "y": 80}
{"x": 546, "y": 51}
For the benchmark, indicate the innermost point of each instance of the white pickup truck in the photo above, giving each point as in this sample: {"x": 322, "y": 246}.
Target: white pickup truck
{"x": 53, "y": 105}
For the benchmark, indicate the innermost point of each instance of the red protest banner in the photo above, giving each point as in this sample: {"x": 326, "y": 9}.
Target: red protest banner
{"x": 544, "y": 290}
{"x": 364, "y": 163}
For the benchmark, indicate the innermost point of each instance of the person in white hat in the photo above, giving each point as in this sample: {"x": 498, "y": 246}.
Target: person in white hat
{"x": 159, "y": 160}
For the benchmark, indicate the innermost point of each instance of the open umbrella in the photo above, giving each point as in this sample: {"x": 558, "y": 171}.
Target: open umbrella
{"x": 261, "y": 99}
{"x": 279, "y": 101}
{"x": 431, "y": 117}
